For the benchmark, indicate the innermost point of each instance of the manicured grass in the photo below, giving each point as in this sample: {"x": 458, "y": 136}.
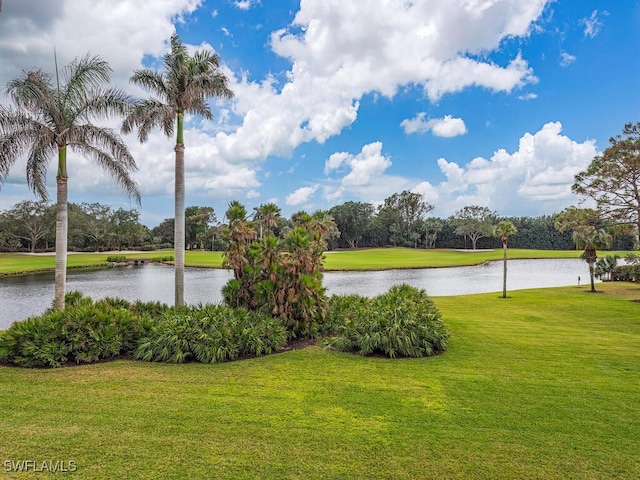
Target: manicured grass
{"x": 544, "y": 384}
{"x": 368, "y": 259}
{"x": 385, "y": 258}
{"x": 11, "y": 263}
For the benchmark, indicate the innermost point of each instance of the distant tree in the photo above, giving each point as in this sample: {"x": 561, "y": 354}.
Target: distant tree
{"x": 403, "y": 214}
{"x": 589, "y": 231}
{"x": 126, "y": 228}
{"x": 613, "y": 179}
{"x": 353, "y": 219}
{"x": 96, "y": 223}
{"x": 474, "y": 222}
{"x": 198, "y": 221}
{"x": 29, "y": 221}
{"x": 503, "y": 231}
{"x": 432, "y": 227}
{"x": 184, "y": 87}
{"x": 50, "y": 115}
{"x": 165, "y": 231}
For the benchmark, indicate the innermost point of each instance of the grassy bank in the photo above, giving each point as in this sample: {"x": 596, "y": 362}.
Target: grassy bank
{"x": 369, "y": 259}
{"x": 544, "y": 384}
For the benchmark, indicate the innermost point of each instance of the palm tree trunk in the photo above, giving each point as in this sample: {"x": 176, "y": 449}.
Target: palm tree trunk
{"x": 179, "y": 231}
{"x": 504, "y": 273}
{"x": 61, "y": 230}
{"x": 592, "y": 275}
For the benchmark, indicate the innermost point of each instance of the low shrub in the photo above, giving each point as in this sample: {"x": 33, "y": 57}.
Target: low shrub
{"x": 404, "y": 322}
{"x": 626, "y": 273}
{"x": 210, "y": 334}
{"x": 84, "y": 332}
{"x": 116, "y": 258}
{"x": 164, "y": 258}
{"x": 342, "y": 309}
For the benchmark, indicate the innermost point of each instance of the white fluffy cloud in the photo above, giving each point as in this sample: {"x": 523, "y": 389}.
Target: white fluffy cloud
{"x": 440, "y": 127}
{"x": 342, "y": 50}
{"x": 362, "y": 170}
{"x": 537, "y": 177}
{"x": 339, "y": 51}
{"x": 301, "y": 195}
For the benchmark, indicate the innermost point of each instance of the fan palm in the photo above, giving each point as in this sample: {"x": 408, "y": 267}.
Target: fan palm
{"x": 50, "y": 115}
{"x": 183, "y": 88}
{"x": 266, "y": 215}
{"x": 504, "y": 230}
{"x": 591, "y": 239}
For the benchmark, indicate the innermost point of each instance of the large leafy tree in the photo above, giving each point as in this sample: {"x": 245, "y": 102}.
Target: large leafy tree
{"x": 403, "y": 214}
{"x": 50, "y": 115}
{"x": 198, "y": 222}
{"x": 503, "y": 231}
{"x": 29, "y": 221}
{"x": 184, "y": 87}
{"x": 353, "y": 219}
{"x": 96, "y": 223}
{"x": 474, "y": 222}
{"x": 613, "y": 179}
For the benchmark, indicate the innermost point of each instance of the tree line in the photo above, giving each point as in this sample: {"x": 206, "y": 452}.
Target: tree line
{"x": 402, "y": 220}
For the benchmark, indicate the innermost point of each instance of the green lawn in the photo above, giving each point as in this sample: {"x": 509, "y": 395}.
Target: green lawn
{"x": 367, "y": 259}
{"x": 384, "y": 258}
{"x": 544, "y": 385}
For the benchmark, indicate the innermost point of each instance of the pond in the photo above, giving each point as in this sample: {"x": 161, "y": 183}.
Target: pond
{"x": 29, "y": 295}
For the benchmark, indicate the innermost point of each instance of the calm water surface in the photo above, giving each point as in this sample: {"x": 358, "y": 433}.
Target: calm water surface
{"x": 29, "y": 295}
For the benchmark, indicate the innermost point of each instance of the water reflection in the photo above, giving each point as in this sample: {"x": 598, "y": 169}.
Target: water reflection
{"x": 28, "y": 295}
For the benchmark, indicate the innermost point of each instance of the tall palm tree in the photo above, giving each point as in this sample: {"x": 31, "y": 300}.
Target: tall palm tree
{"x": 504, "y": 230}
{"x": 48, "y": 115}
{"x": 183, "y": 88}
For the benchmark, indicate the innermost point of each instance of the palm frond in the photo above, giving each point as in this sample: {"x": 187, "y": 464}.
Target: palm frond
{"x": 151, "y": 80}
{"x": 148, "y": 114}
{"x": 33, "y": 92}
{"x": 20, "y": 133}
{"x": 41, "y": 152}
{"x": 102, "y": 104}
{"x": 84, "y": 74}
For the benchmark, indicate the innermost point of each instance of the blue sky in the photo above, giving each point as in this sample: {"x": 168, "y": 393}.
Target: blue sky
{"x": 497, "y": 103}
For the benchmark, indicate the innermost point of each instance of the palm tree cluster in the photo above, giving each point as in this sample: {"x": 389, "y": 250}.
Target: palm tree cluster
{"x": 279, "y": 276}
{"x": 50, "y": 114}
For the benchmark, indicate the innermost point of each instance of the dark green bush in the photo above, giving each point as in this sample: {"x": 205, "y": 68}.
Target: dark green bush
{"x": 404, "y": 322}
{"x": 84, "y": 332}
{"x": 342, "y": 309}
{"x": 87, "y": 332}
{"x": 210, "y": 334}
{"x": 116, "y": 258}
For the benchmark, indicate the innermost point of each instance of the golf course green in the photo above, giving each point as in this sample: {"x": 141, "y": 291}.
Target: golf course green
{"x": 365, "y": 259}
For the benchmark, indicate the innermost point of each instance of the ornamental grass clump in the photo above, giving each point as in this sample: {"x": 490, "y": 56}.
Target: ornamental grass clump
{"x": 404, "y": 322}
